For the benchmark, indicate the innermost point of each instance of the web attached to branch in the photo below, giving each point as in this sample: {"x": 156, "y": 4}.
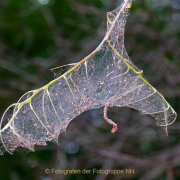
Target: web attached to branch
{"x": 106, "y": 77}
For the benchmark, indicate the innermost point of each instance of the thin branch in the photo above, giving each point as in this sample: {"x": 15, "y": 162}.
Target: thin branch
{"x": 114, "y": 129}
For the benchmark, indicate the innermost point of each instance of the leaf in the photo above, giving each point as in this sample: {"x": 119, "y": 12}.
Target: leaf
{"x": 106, "y": 77}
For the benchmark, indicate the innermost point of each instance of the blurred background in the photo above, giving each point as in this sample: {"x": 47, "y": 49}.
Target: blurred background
{"x": 37, "y": 35}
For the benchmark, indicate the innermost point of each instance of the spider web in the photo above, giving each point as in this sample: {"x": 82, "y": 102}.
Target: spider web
{"x": 106, "y": 77}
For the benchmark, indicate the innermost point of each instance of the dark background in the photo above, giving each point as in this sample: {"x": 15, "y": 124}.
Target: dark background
{"x": 36, "y": 36}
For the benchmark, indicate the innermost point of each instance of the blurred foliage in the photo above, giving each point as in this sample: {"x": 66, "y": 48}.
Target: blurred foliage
{"x": 36, "y": 35}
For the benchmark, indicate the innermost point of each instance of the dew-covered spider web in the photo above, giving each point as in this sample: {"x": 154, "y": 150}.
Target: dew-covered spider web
{"x": 106, "y": 77}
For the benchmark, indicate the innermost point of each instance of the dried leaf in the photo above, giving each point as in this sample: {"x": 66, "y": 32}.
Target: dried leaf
{"x": 106, "y": 77}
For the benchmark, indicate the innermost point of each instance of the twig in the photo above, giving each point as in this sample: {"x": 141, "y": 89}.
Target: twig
{"x": 114, "y": 129}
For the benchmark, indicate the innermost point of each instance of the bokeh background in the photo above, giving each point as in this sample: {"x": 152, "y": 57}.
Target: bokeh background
{"x": 37, "y": 35}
